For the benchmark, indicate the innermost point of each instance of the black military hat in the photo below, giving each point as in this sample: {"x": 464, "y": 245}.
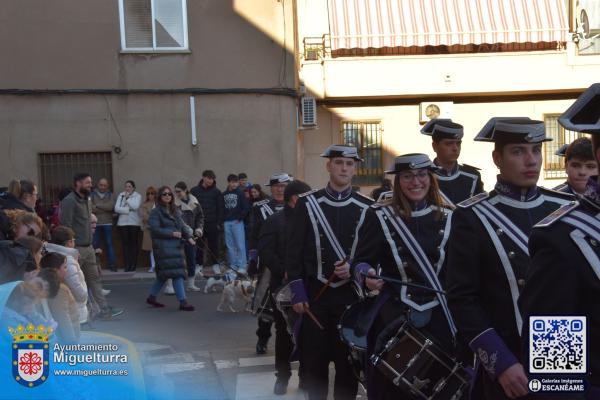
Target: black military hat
{"x": 584, "y": 114}
{"x": 513, "y": 130}
{"x": 562, "y": 150}
{"x": 412, "y": 161}
{"x": 280, "y": 177}
{"x": 341, "y": 150}
{"x": 440, "y": 128}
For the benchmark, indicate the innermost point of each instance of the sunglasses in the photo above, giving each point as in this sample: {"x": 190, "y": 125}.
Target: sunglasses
{"x": 167, "y": 194}
{"x": 151, "y": 194}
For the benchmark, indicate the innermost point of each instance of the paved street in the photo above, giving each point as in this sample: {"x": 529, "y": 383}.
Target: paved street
{"x": 203, "y": 354}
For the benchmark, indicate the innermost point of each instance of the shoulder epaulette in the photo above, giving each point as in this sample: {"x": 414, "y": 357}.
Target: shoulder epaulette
{"x": 385, "y": 196}
{"x": 467, "y": 166}
{"x": 308, "y": 193}
{"x": 364, "y": 196}
{"x": 262, "y": 202}
{"x": 557, "y": 214}
{"x": 473, "y": 200}
{"x": 561, "y": 188}
{"x": 556, "y": 193}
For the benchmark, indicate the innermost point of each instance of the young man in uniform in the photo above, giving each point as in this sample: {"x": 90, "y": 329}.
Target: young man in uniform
{"x": 271, "y": 248}
{"x": 457, "y": 181}
{"x": 564, "y": 276}
{"x": 259, "y": 214}
{"x": 488, "y": 256}
{"x": 580, "y": 165}
{"x": 320, "y": 242}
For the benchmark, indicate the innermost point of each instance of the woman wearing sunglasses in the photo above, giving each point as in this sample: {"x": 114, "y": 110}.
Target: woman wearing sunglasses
{"x": 168, "y": 233}
{"x": 404, "y": 238}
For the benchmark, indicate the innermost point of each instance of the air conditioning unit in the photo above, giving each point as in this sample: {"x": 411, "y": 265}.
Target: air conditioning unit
{"x": 435, "y": 109}
{"x": 308, "y": 111}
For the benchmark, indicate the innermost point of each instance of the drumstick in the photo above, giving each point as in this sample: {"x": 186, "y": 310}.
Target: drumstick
{"x": 403, "y": 283}
{"x": 326, "y": 285}
{"x": 316, "y": 321}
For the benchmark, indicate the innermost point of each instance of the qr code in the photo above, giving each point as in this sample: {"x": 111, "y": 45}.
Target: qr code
{"x": 557, "y": 345}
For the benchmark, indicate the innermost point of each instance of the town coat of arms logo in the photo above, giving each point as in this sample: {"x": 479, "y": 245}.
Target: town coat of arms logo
{"x": 30, "y": 351}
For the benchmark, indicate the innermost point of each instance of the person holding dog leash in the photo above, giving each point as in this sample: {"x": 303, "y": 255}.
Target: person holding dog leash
{"x": 320, "y": 243}
{"x": 168, "y": 233}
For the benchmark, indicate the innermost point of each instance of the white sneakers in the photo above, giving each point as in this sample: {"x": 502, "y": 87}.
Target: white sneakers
{"x": 169, "y": 287}
{"x": 191, "y": 284}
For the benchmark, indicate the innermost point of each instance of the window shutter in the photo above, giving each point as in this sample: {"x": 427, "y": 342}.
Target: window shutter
{"x": 138, "y": 23}
{"x": 168, "y": 23}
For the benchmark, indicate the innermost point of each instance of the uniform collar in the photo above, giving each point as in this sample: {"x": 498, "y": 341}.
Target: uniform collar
{"x": 418, "y": 206}
{"x": 338, "y": 195}
{"x": 443, "y": 171}
{"x": 515, "y": 192}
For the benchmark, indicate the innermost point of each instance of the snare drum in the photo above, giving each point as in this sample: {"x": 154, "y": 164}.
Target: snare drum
{"x": 353, "y": 328}
{"x": 421, "y": 369}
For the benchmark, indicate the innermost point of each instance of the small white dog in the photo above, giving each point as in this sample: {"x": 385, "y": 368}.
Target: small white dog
{"x": 218, "y": 281}
{"x": 237, "y": 289}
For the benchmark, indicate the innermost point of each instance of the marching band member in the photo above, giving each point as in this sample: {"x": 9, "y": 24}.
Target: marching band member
{"x": 580, "y": 165}
{"x": 564, "y": 276}
{"x": 488, "y": 256}
{"x": 320, "y": 240}
{"x": 407, "y": 237}
{"x": 271, "y": 250}
{"x": 457, "y": 182}
{"x": 259, "y": 214}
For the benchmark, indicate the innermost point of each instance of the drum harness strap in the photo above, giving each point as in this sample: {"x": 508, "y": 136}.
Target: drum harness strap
{"x": 486, "y": 213}
{"x": 423, "y": 262}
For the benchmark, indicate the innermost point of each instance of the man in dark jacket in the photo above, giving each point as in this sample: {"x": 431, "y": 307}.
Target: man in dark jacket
{"x": 75, "y": 213}
{"x": 236, "y": 209}
{"x": 211, "y": 201}
{"x": 271, "y": 249}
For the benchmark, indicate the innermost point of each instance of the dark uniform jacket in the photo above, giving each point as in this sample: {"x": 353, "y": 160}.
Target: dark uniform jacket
{"x": 564, "y": 187}
{"x": 271, "y": 246}
{"x": 564, "y": 276}
{"x": 379, "y": 244}
{"x": 310, "y": 256}
{"x": 258, "y": 215}
{"x": 486, "y": 271}
{"x": 461, "y": 184}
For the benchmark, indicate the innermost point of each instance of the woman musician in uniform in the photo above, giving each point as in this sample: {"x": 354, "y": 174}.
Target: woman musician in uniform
{"x": 405, "y": 239}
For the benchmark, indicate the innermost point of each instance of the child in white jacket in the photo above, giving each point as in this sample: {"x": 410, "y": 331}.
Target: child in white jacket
{"x": 63, "y": 242}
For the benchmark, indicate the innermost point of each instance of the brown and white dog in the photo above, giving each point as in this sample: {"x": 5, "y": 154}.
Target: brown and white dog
{"x": 236, "y": 289}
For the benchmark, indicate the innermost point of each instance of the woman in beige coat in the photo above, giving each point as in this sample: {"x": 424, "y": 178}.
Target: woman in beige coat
{"x": 145, "y": 209}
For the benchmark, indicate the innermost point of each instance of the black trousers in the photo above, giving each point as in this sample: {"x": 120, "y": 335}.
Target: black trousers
{"x": 319, "y": 347}
{"x": 130, "y": 240}
{"x": 283, "y": 346}
{"x": 210, "y": 240}
{"x": 264, "y": 331}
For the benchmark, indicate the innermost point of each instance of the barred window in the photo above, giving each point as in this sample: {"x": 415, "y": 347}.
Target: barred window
{"x": 366, "y": 137}
{"x": 57, "y": 171}
{"x": 554, "y": 166}
{"x": 153, "y": 25}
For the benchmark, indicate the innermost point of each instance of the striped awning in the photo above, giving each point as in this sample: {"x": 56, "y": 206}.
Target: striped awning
{"x": 404, "y": 23}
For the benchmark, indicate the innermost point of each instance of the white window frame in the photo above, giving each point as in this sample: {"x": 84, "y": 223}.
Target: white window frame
{"x": 154, "y": 49}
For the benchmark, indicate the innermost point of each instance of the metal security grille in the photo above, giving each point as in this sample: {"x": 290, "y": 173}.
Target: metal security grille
{"x": 366, "y": 137}
{"x": 554, "y": 166}
{"x": 57, "y": 171}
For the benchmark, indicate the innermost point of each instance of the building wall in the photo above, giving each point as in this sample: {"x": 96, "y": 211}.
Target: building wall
{"x": 401, "y": 134}
{"x": 62, "y": 44}
{"x": 235, "y": 133}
